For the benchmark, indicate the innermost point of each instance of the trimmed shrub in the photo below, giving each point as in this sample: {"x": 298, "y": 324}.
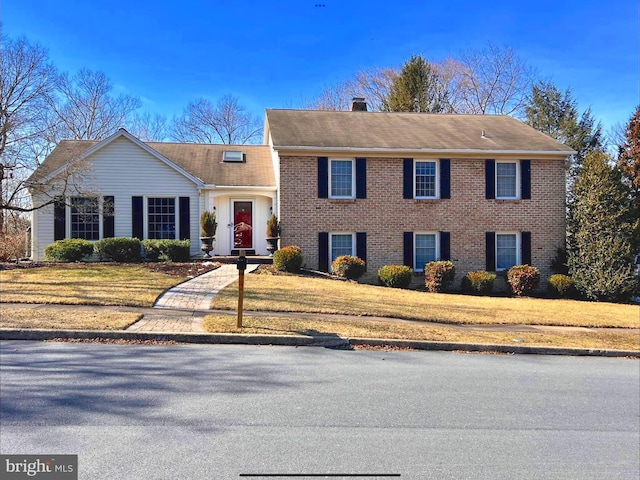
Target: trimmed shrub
{"x": 348, "y": 266}
{"x": 478, "y": 283}
{"x": 68, "y": 250}
{"x": 523, "y": 279}
{"x": 119, "y": 249}
{"x": 288, "y": 259}
{"x": 395, "y": 276}
{"x": 561, "y": 286}
{"x": 167, "y": 250}
{"x": 439, "y": 275}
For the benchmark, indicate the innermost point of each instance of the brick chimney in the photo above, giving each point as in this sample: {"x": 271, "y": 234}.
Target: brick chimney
{"x": 358, "y": 104}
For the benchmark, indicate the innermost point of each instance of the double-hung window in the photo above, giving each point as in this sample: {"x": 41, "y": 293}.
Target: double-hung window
{"x": 342, "y": 179}
{"x": 85, "y": 218}
{"x": 507, "y": 250}
{"x": 507, "y": 180}
{"x": 426, "y": 179}
{"x": 341, "y": 244}
{"x": 425, "y": 247}
{"x": 161, "y": 218}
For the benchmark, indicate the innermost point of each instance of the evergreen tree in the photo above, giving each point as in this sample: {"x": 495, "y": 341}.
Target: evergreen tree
{"x": 556, "y": 114}
{"x": 600, "y": 231}
{"x": 418, "y": 88}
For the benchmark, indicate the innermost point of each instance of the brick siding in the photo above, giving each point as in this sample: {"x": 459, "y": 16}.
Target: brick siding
{"x": 384, "y": 215}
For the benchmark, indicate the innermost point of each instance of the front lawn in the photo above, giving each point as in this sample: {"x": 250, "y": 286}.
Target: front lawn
{"x": 85, "y": 284}
{"x": 291, "y": 293}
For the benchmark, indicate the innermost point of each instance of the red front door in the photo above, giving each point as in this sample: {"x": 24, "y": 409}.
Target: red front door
{"x": 242, "y": 225}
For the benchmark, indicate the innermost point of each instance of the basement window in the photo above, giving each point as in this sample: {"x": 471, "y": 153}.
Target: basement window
{"x": 232, "y": 156}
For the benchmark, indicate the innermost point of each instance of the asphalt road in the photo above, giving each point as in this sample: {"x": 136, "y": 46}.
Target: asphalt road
{"x": 226, "y": 412}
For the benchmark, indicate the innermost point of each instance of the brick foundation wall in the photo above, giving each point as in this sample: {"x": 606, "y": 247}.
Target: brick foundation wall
{"x": 384, "y": 215}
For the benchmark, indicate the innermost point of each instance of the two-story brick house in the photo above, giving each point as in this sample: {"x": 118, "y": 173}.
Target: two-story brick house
{"x": 484, "y": 191}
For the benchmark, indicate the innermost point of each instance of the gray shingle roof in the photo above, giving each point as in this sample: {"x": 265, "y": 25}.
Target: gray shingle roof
{"x": 405, "y": 131}
{"x": 200, "y": 160}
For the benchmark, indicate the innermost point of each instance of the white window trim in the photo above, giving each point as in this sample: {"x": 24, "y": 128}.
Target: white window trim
{"x": 353, "y": 244}
{"x": 68, "y": 215}
{"x": 437, "y": 162}
{"x": 415, "y": 256}
{"x": 518, "y": 249}
{"x": 353, "y": 179}
{"x": 518, "y": 181}
{"x": 176, "y": 206}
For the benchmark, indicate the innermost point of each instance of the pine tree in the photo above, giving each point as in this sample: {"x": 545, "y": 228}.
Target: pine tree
{"x": 600, "y": 231}
{"x": 556, "y": 114}
{"x": 418, "y": 88}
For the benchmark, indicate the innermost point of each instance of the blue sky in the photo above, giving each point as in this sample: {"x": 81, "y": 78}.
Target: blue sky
{"x": 276, "y": 53}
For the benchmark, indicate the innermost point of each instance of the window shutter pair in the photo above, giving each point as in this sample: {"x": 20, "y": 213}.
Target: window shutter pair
{"x": 323, "y": 249}
{"x": 445, "y": 247}
{"x": 60, "y": 218}
{"x": 490, "y": 179}
{"x": 137, "y": 217}
{"x": 323, "y": 177}
{"x": 408, "y": 179}
{"x": 490, "y": 243}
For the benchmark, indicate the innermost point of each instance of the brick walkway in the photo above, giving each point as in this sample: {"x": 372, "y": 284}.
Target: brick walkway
{"x": 180, "y": 308}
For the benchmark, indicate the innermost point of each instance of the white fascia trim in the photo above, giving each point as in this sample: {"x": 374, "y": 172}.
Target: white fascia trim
{"x": 210, "y": 186}
{"x": 123, "y": 133}
{"x": 428, "y": 151}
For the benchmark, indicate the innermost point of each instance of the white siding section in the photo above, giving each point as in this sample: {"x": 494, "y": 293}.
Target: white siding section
{"x": 123, "y": 170}
{"x": 222, "y": 199}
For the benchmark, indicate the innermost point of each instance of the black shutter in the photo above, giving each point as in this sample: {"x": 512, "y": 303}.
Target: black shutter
{"x": 525, "y": 178}
{"x": 59, "y": 219}
{"x": 525, "y": 244}
{"x": 323, "y": 177}
{"x": 408, "y": 249}
{"x": 137, "y": 218}
{"x": 445, "y": 178}
{"x": 323, "y": 251}
{"x": 108, "y": 217}
{"x": 490, "y": 178}
{"x": 491, "y": 251}
{"x": 407, "y": 178}
{"x": 445, "y": 246}
{"x": 361, "y": 245}
{"x": 185, "y": 219}
{"x": 361, "y": 178}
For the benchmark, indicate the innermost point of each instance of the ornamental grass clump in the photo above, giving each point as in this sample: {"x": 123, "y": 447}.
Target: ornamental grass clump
{"x": 561, "y": 286}
{"x": 288, "y": 259}
{"x": 349, "y": 267}
{"x": 395, "y": 276}
{"x": 68, "y": 250}
{"x": 523, "y": 279}
{"x": 478, "y": 283}
{"x": 439, "y": 275}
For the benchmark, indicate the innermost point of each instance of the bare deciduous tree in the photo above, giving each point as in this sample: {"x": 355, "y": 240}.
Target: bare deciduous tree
{"x": 26, "y": 83}
{"x": 86, "y": 109}
{"x": 494, "y": 80}
{"x": 226, "y": 122}
{"x": 149, "y": 128}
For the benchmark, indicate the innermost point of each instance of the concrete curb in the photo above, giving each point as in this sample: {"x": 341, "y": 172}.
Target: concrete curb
{"x": 328, "y": 341}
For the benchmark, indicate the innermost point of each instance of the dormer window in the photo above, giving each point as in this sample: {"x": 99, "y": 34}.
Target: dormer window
{"x": 232, "y": 156}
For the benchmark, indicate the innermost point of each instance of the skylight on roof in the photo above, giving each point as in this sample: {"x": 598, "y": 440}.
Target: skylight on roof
{"x": 232, "y": 156}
